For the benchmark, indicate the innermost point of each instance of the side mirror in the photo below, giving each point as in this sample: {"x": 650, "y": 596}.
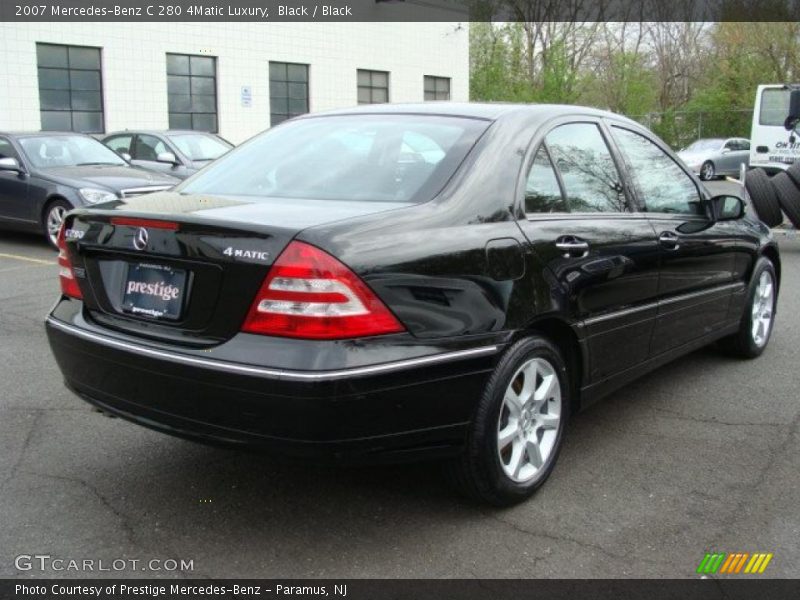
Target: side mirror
{"x": 125, "y": 156}
{"x": 167, "y": 157}
{"x": 10, "y": 164}
{"x": 794, "y": 110}
{"x": 727, "y": 208}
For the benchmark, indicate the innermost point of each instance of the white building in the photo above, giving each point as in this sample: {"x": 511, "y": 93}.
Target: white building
{"x": 234, "y": 78}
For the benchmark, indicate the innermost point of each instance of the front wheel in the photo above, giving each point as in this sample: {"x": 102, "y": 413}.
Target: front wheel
{"x": 707, "y": 171}
{"x": 518, "y": 428}
{"x": 53, "y": 218}
{"x": 759, "y": 313}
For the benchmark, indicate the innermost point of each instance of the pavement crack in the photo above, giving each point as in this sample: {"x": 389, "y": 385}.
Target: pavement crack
{"x": 25, "y": 446}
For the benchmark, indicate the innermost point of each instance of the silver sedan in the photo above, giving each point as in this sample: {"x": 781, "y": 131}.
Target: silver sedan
{"x": 715, "y": 157}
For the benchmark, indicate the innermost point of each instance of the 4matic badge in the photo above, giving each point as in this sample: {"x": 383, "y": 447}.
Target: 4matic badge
{"x": 246, "y": 254}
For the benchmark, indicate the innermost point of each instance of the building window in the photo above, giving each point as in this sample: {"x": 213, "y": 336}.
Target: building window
{"x": 373, "y": 87}
{"x": 288, "y": 91}
{"x": 192, "y": 92}
{"x": 70, "y": 88}
{"x": 437, "y": 88}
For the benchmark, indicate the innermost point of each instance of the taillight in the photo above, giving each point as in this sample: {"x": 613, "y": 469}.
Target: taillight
{"x": 310, "y": 294}
{"x": 69, "y": 287}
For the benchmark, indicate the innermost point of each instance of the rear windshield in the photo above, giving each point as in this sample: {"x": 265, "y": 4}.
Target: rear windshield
{"x": 774, "y": 107}
{"x": 379, "y": 158}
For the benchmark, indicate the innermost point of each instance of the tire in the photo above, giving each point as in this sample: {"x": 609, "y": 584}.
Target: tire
{"x": 489, "y": 471}
{"x": 764, "y": 197}
{"x": 52, "y": 217}
{"x": 707, "y": 171}
{"x": 745, "y": 343}
{"x": 788, "y": 197}
{"x": 794, "y": 173}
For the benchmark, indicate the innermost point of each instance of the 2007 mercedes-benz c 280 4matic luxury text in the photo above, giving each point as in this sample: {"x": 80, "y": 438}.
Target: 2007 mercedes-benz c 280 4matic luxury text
{"x": 408, "y": 281}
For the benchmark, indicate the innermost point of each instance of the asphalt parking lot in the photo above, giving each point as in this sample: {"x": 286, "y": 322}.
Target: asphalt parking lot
{"x": 700, "y": 455}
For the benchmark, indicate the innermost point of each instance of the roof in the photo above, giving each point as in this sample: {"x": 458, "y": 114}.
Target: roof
{"x": 158, "y": 132}
{"x": 475, "y": 110}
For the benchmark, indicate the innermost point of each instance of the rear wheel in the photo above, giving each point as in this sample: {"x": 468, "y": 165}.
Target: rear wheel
{"x": 759, "y": 313}
{"x": 764, "y": 197}
{"x": 53, "y": 218}
{"x": 518, "y": 428}
{"x": 707, "y": 171}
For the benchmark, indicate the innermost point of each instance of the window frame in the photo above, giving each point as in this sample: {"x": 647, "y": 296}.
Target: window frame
{"x": 372, "y": 87}
{"x": 287, "y": 81}
{"x": 10, "y": 142}
{"x": 539, "y": 139}
{"x": 435, "y": 79}
{"x": 69, "y": 69}
{"x": 632, "y": 183}
{"x": 189, "y": 76}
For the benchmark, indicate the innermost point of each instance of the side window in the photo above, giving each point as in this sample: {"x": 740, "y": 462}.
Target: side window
{"x": 148, "y": 147}
{"x": 744, "y": 145}
{"x": 542, "y": 192}
{"x": 7, "y": 150}
{"x": 731, "y": 145}
{"x": 591, "y": 180}
{"x": 662, "y": 185}
{"x": 120, "y": 143}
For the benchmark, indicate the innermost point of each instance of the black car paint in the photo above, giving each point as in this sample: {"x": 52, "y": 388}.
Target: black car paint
{"x": 24, "y": 196}
{"x": 465, "y": 272}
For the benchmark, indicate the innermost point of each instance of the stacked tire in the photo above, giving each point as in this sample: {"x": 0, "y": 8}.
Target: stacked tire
{"x": 772, "y": 197}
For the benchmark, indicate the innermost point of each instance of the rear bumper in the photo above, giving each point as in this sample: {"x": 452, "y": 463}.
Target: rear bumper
{"x": 408, "y": 407}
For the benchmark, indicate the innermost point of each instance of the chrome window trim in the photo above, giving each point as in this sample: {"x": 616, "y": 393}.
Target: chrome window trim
{"x": 144, "y": 190}
{"x": 286, "y": 374}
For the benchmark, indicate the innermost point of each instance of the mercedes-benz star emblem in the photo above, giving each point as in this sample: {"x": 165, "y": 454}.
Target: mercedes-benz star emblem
{"x": 140, "y": 239}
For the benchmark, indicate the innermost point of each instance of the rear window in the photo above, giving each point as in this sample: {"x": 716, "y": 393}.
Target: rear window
{"x": 379, "y": 158}
{"x": 774, "y": 107}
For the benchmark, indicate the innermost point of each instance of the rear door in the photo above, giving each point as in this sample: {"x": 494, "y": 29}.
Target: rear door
{"x": 14, "y": 203}
{"x": 603, "y": 254}
{"x": 697, "y": 256}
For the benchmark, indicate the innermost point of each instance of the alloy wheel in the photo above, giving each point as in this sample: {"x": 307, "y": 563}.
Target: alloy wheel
{"x": 707, "y": 171}
{"x": 763, "y": 302}
{"x": 529, "y": 420}
{"x": 55, "y": 217}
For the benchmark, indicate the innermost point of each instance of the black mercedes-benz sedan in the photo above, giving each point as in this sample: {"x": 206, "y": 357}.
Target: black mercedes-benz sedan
{"x": 44, "y": 175}
{"x": 411, "y": 281}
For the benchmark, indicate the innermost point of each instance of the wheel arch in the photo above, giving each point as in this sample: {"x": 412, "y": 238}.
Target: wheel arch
{"x": 54, "y": 197}
{"x": 563, "y": 335}
{"x": 771, "y": 252}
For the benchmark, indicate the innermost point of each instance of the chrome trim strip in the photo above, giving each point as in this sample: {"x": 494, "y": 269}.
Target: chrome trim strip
{"x": 278, "y": 373}
{"x": 667, "y": 301}
{"x": 140, "y": 191}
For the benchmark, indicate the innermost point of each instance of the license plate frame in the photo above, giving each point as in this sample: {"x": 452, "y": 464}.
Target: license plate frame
{"x": 154, "y": 291}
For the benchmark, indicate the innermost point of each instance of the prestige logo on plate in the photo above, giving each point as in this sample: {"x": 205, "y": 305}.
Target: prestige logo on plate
{"x": 159, "y": 290}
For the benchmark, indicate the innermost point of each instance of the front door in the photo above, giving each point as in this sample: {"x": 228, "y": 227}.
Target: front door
{"x": 14, "y": 203}
{"x": 697, "y": 256}
{"x": 603, "y": 255}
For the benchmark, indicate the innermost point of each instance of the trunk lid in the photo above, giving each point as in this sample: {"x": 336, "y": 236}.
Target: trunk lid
{"x": 186, "y": 268}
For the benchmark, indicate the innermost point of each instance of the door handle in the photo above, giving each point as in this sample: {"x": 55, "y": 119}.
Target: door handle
{"x": 572, "y": 247}
{"x": 669, "y": 240}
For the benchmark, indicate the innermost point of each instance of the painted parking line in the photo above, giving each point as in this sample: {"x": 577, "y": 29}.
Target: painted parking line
{"x": 38, "y": 261}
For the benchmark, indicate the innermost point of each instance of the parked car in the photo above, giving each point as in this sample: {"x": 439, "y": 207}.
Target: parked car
{"x": 178, "y": 153}
{"x": 334, "y": 288}
{"x": 716, "y": 157}
{"x": 44, "y": 175}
